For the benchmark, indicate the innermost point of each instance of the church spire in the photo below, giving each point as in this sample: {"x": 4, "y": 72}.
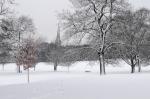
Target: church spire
{"x": 58, "y": 40}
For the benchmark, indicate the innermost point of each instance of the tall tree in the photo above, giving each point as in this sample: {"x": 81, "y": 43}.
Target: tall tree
{"x": 92, "y": 21}
{"x": 131, "y": 28}
{"x": 19, "y": 29}
{"x": 5, "y": 36}
{"x": 24, "y": 27}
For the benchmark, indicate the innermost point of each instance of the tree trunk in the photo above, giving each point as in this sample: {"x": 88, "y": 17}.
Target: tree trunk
{"x": 18, "y": 69}
{"x": 55, "y": 65}
{"x": 132, "y": 66}
{"x": 102, "y": 64}
{"x": 28, "y": 75}
{"x": 139, "y": 66}
{"x": 132, "y": 69}
{"x": 103, "y": 57}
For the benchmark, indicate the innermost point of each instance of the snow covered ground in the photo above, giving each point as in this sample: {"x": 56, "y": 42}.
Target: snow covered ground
{"x": 75, "y": 84}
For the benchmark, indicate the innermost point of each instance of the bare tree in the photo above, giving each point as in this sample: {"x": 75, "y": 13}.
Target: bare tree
{"x": 5, "y": 9}
{"x": 92, "y": 21}
{"x": 18, "y": 28}
{"x": 24, "y": 27}
{"x": 27, "y": 55}
{"x": 131, "y": 29}
{"x": 54, "y": 54}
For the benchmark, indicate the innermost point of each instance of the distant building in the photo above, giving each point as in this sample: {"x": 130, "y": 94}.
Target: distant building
{"x": 58, "y": 40}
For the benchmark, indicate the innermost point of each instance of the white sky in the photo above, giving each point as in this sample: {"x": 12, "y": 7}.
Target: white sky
{"x": 140, "y": 3}
{"x": 43, "y": 13}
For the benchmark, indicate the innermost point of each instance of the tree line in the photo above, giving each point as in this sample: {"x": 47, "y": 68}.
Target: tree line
{"x": 109, "y": 27}
{"x": 100, "y": 30}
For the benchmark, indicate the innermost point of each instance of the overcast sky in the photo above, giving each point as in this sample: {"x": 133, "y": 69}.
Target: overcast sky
{"x": 43, "y": 13}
